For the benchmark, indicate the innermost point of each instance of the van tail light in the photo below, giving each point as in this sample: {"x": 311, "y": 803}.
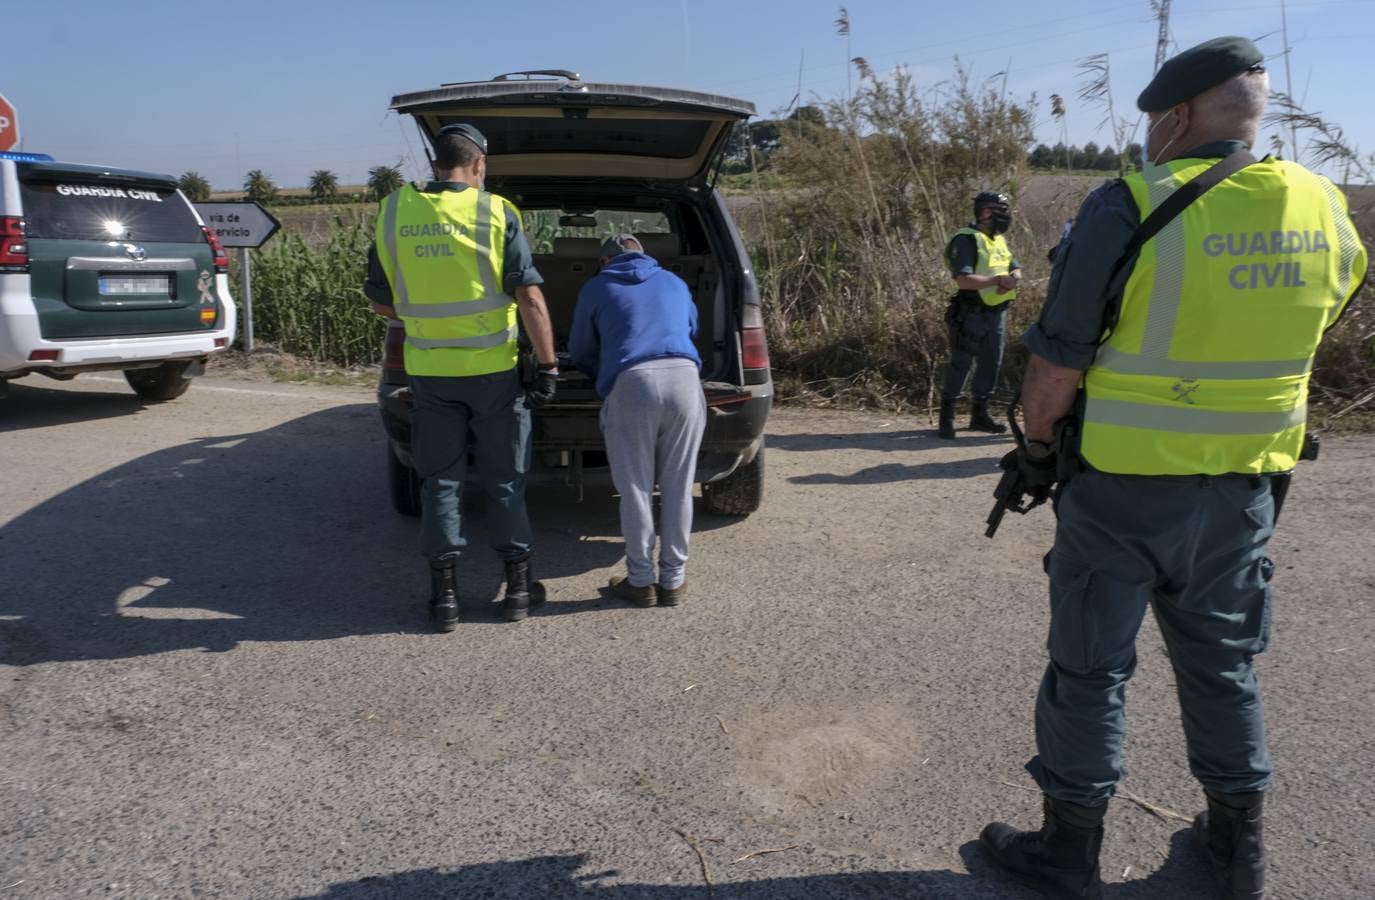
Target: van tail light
{"x": 216, "y": 250}
{"x": 754, "y": 349}
{"x": 754, "y": 346}
{"x": 394, "y": 349}
{"x": 14, "y": 245}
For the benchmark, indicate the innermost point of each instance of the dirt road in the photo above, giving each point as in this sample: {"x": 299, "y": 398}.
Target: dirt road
{"x": 217, "y": 679}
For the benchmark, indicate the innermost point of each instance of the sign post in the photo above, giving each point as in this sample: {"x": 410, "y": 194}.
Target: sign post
{"x": 9, "y": 125}
{"x": 245, "y": 225}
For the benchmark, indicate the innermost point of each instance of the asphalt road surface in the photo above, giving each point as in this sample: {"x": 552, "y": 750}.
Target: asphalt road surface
{"x": 217, "y": 678}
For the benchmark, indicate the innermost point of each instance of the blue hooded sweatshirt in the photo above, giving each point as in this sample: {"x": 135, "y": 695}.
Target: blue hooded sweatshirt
{"x": 631, "y": 312}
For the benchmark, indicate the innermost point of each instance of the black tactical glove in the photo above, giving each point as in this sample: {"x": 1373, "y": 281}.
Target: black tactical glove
{"x": 1038, "y": 466}
{"x": 546, "y": 385}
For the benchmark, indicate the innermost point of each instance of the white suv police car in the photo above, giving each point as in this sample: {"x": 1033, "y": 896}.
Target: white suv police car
{"x": 107, "y": 269}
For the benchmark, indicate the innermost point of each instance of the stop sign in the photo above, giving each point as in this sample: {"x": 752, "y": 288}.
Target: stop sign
{"x": 9, "y": 125}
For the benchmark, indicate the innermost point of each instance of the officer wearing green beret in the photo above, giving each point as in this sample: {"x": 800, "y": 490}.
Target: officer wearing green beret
{"x": 1185, "y": 360}
{"x": 987, "y": 275}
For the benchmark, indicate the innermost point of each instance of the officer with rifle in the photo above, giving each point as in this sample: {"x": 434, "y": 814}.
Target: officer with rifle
{"x": 1174, "y": 350}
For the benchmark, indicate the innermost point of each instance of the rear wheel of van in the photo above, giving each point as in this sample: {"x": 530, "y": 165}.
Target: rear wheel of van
{"x": 740, "y": 492}
{"x": 403, "y": 485}
{"x": 165, "y": 382}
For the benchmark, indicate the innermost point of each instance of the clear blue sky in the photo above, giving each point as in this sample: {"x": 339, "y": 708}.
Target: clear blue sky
{"x": 295, "y": 85}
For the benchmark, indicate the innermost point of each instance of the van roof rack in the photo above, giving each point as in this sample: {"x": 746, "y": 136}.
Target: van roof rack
{"x": 565, "y": 74}
{"x": 544, "y": 74}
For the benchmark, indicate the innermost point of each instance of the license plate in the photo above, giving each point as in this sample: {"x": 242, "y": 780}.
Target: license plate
{"x": 136, "y": 284}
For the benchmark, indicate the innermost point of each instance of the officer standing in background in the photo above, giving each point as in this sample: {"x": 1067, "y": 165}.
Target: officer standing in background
{"x": 987, "y": 276}
{"x": 1192, "y": 414}
{"x": 447, "y": 261}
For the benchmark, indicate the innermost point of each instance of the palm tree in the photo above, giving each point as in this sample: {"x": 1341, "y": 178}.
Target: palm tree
{"x": 257, "y": 185}
{"x": 383, "y": 180}
{"x": 324, "y": 185}
{"x": 194, "y": 186}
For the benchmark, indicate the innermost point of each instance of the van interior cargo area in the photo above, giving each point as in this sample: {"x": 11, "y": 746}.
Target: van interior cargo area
{"x": 673, "y": 234}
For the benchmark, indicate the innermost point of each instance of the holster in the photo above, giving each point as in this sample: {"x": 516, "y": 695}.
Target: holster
{"x": 964, "y": 316}
{"x": 527, "y": 366}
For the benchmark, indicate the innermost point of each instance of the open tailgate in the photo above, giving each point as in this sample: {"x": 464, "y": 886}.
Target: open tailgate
{"x": 573, "y": 129}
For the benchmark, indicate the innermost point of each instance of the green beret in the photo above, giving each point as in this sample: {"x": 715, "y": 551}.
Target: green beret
{"x": 1185, "y": 76}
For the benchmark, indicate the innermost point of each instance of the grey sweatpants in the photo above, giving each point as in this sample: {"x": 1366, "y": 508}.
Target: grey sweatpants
{"x": 653, "y": 422}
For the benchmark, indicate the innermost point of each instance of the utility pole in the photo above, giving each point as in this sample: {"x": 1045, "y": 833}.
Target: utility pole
{"x": 1162, "y": 42}
{"x": 1289, "y": 83}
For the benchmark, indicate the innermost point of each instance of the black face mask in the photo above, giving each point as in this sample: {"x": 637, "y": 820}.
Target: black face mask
{"x": 1000, "y": 222}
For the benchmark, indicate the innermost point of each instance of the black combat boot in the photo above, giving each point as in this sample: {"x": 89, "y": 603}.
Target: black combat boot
{"x": 980, "y": 420}
{"x": 947, "y": 425}
{"x": 1060, "y": 860}
{"x": 521, "y": 591}
{"x": 1229, "y": 831}
{"x": 443, "y": 596}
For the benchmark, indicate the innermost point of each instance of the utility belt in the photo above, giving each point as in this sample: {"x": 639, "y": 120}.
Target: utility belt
{"x": 962, "y": 302}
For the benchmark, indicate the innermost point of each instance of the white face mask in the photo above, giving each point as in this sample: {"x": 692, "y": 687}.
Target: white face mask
{"x": 1146, "y": 161}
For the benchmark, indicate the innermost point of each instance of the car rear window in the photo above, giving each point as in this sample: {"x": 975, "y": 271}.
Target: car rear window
{"x": 86, "y": 210}
{"x": 542, "y": 225}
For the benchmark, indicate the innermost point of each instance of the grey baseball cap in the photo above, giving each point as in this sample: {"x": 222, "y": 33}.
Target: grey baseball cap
{"x": 616, "y": 245}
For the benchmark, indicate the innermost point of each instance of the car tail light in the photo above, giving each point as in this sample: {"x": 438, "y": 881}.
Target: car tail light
{"x": 14, "y": 245}
{"x": 216, "y": 250}
{"x": 754, "y": 349}
{"x": 221, "y": 342}
{"x": 394, "y": 349}
{"x": 44, "y": 355}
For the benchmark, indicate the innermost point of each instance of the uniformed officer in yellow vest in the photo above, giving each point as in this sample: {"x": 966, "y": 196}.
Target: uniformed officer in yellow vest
{"x": 452, "y": 263}
{"x": 987, "y": 275}
{"x": 1189, "y": 371}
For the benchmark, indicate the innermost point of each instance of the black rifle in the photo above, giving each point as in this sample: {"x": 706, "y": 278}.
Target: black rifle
{"x": 1012, "y": 492}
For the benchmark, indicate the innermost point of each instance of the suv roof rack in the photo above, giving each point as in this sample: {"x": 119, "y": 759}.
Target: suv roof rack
{"x": 551, "y": 74}
{"x": 565, "y": 74}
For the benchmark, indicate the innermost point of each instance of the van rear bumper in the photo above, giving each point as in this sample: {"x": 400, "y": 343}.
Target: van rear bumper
{"x": 20, "y": 337}
{"x": 733, "y": 435}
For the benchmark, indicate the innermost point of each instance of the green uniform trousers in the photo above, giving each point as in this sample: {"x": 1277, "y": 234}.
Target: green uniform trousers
{"x": 486, "y": 412}
{"x": 1193, "y": 549}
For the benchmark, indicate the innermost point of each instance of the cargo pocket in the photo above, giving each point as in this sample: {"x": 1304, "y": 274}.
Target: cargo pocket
{"x": 1094, "y": 619}
{"x": 1260, "y": 519}
{"x": 973, "y": 331}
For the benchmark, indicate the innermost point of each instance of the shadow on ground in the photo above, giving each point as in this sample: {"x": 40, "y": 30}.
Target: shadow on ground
{"x": 29, "y": 404}
{"x": 886, "y": 441}
{"x": 1183, "y": 876}
{"x": 284, "y": 534}
{"x": 889, "y": 473}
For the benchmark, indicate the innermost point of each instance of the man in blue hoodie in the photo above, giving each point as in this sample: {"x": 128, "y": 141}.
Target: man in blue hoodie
{"x": 632, "y": 333}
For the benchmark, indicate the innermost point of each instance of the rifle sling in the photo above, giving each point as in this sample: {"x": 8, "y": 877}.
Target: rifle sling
{"x": 1166, "y": 213}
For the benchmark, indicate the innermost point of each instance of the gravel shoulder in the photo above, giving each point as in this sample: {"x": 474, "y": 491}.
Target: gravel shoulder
{"x": 215, "y": 676}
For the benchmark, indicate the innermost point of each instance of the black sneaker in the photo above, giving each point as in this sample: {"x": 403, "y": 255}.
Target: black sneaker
{"x": 670, "y": 596}
{"x": 622, "y": 589}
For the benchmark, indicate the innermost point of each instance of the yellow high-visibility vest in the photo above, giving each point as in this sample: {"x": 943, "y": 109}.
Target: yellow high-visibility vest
{"x": 1206, "y": 371}
{"x": 443, "y": 255}
{"x": 995, "y": 258}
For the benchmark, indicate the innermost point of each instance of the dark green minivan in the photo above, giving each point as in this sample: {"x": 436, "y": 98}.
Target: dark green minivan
{"x": 107, "y": 269}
